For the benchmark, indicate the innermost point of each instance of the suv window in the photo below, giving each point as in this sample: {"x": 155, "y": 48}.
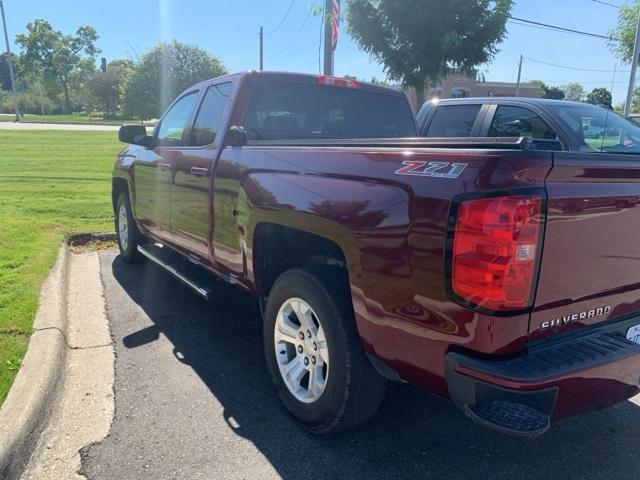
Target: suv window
{"x": 599, "y": 129}
{"x": 453, "y": 120}
{"x": 512, "y": 121}
{"x": 209, "y": 115}
{"x": 176, "y": 119}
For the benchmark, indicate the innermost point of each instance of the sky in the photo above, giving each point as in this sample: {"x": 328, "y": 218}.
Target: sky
{"x": 229, "y": 30}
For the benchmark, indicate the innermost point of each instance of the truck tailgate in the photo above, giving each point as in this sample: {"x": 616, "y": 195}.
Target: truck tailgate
{"x": 590, "y": 269}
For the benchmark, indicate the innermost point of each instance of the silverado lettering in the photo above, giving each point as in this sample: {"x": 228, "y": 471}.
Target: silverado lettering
{"x": 565, "y": 319}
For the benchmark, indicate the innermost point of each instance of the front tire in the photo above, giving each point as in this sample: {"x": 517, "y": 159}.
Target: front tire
{"x": 314, "y": 353}
{"x": 128, "y": 235}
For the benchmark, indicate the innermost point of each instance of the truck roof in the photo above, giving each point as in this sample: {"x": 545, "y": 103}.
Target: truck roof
{"x": 298, "y": 77}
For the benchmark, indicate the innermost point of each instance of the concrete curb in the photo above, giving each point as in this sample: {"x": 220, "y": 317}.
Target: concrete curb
{"x": 29, "y": 405}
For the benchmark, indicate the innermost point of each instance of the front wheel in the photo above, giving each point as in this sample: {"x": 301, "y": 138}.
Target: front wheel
{"x": 126, "y": 230}
{"x": 314, "y": 353}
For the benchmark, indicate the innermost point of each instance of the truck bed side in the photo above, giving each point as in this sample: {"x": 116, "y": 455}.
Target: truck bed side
{"x": 391, "y": 230}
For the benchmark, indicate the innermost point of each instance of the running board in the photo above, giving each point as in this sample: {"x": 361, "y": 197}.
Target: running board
{"x": 197, "y": 278}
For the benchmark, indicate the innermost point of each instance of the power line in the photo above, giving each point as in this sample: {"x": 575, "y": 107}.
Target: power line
{"x": 283, "y": 18}
{"x": 566, "y": 82}
{"x": 607, "y": 4}
{"x": 551, "y": 29}
{"x": 561, "y": 29}
{"x": 567, "y": 67}
{"x": 294, "y": 37}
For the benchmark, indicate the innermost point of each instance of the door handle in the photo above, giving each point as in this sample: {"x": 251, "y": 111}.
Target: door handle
{"x": 199, "y": 171}
{"x": 164, "y": 166}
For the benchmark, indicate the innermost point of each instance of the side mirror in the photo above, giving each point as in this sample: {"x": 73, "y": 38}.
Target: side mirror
{"x": 137, "y": 135}
{"x": 237, "y": 136}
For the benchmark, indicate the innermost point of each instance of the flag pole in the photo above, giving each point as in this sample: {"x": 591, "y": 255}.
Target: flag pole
{"x": 328, "y": 37}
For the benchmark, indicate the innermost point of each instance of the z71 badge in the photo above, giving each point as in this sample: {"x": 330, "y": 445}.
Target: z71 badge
{"x": 431, "y": 169}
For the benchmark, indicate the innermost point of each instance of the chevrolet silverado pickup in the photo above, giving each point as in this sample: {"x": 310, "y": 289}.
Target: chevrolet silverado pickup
{"x": 458, "y": 265}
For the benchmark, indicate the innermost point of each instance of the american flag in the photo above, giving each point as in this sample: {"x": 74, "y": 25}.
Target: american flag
{"x": 335, "y": 23}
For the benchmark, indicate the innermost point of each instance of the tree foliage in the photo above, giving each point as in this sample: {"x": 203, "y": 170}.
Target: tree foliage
{"x": 600, "y": 96}
{"x": 624, "y": 34}
{"x": 574, "y": 92}
{"x": 106, "y": 88}
{"x": 420, "y": 41}
{"x": 162, "y": 73}
{"x": 554, "y": 93}
{"x": 635, "y": 101}
{"x": 52, "y": 55}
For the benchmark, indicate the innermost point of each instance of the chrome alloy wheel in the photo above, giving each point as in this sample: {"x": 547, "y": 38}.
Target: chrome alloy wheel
{"x": 123, "y": 227}
{"x": 301, "y": 350}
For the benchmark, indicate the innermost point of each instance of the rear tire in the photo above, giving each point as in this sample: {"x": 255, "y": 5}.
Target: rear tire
{"x": 127, "y": 231}
{"x": 347, "y": 390}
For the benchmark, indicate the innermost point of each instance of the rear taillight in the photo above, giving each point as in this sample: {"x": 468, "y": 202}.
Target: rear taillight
{"x": 494, "y": 256}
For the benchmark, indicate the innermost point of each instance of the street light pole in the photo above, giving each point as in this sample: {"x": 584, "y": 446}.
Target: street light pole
{"x": 10, "y": 61}
{"x": 634, "y": 66}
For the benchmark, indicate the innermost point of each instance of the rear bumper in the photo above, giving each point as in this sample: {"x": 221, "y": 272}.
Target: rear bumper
{"x": 588, "y": 370}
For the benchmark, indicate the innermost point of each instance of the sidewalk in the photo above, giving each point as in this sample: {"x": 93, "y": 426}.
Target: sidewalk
{"x": 56, "y": 126}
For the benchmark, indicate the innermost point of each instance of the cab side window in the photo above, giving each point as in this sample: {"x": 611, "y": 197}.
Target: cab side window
{"x": 511, "y": 121}
{"x": 453, "y": 120}
{"x": 210, "y": 114}
{"x": 176, "y": 119}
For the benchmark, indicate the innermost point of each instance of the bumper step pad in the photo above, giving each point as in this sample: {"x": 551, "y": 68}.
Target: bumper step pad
{"x": 510, "y": 417}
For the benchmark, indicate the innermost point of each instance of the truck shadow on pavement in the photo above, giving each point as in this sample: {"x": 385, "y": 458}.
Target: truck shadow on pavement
{"x": 414, "y": 435}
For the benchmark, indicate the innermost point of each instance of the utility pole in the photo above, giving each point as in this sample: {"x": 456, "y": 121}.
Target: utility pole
{"x": 634, "y": 66}
{"x": 613, "y": 79}
{"x": 261, "y": 35}
{"x": 10, "y": 61}
{"x": 519, "y": 75}
{"x": 328, "y": 36}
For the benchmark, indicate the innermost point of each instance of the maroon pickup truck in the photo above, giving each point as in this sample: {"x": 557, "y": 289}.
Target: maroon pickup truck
{"x": 459, "y": 265}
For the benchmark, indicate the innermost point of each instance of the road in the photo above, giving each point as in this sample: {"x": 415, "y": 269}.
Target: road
{"x": 194, "y": 401}
{"x": 57, "y": 126}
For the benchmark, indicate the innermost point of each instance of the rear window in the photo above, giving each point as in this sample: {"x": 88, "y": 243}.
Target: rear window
{"x": 453, "y": 120}
{"x": 291, "y": 111}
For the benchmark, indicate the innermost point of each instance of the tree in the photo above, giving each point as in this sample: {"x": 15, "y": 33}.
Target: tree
{"x": 106, "y": 88}
{"x": 554, "y": 93}
{"x": 53, "y": 55}
{"x": 635, "y": 102}
{"x": 622, "y": 37}
{"x": 420, "y": 41}
{"x": 162, "y": 73}
{"x": 573, "y": 91}
{"x": 600, "y": 96}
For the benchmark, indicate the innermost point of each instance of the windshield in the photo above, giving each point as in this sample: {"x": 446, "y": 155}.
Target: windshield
{"x": 599, "y": 129}
{"x": 286, "y": 111}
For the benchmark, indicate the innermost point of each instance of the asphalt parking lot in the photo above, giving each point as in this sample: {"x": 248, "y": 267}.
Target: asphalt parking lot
{"x": 194, "y": 401}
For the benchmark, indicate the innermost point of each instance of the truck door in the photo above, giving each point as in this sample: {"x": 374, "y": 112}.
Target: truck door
{"x": 153, "y": 168}
{"x": 191, "y": 216}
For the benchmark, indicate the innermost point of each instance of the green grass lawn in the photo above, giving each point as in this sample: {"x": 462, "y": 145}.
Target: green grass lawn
{"x": 52, "y": 183}
{"x": 72, "y": 118}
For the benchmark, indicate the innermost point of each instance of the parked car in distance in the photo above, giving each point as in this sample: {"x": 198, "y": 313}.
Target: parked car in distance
{"x": 456, "y": 264}
{"x": 555, "y": 125}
